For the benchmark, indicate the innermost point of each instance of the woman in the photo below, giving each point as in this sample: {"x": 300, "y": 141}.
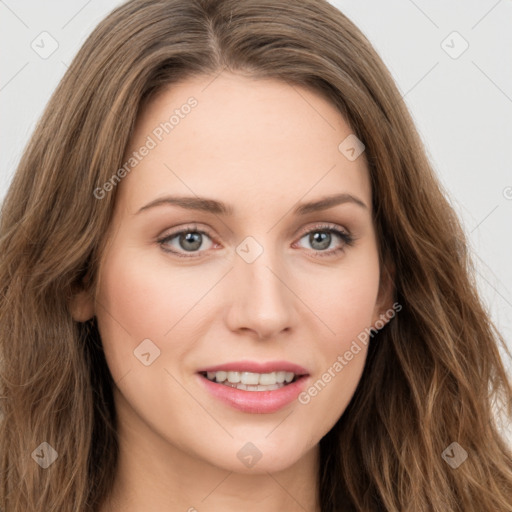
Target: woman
{"x": 231, "y": 279}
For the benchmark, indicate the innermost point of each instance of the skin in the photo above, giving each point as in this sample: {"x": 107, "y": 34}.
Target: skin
{"x": 261, "y": 146}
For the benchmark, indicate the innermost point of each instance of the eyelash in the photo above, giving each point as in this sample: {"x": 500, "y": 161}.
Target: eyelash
{"x": 347, "y": 238}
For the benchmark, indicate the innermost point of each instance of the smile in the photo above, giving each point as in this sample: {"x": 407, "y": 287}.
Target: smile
{"x": 241, "y": 386}
{"x": 250, "y": 381}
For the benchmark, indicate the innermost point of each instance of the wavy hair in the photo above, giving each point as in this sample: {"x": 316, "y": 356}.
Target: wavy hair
{"x": 433, "y": 375}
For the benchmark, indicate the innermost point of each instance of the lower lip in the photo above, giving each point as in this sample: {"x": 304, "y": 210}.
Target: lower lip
{"x": 257, "y": 402}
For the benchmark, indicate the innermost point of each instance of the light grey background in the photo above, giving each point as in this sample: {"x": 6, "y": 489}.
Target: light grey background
{"x": 461, "y": 102}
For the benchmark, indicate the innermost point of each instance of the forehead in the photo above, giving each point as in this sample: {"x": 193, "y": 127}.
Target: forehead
{"x": 248, "y": 142}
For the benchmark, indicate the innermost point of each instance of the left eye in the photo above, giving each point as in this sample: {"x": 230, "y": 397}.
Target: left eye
{"x": 321, "y": 238}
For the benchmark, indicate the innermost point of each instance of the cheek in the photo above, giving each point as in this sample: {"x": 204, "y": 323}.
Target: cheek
{"x": 344, "y": 299}
{"x": 137, "y": 301}
{"x": 346, "y": 309}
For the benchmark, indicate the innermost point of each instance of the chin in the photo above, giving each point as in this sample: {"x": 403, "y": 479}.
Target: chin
{"x": 258, "y": 454}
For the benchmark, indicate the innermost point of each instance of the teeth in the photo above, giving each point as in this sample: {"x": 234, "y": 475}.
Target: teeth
{"x": 247, "y": 387}
{"x": 250, "y": 380}
{"x": 268, "y": 379}
{"x": 220, "y": 376}
{"x": 234, "y": 377}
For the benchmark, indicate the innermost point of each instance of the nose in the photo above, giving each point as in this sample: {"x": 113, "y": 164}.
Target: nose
{"x": 260, "y": 299}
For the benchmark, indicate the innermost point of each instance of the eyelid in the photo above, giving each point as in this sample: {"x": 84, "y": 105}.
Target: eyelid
{"x": 322, "y": 226}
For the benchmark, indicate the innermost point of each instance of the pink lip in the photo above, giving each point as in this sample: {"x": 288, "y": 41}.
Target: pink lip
{"x": 256, "y": 402}
{"x": 255, "y": 367}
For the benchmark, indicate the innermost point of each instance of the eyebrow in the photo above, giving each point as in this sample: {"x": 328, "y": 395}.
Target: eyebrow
{"x": 219, "y": 208}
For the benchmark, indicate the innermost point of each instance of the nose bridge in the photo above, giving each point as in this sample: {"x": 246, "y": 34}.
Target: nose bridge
{"x": 262, "y": 299}
{"x": 256, "y": 265}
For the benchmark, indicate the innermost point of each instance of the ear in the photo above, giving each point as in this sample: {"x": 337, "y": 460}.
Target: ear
{"x": 81, "y": 303}
{"x": 384, "y": 310}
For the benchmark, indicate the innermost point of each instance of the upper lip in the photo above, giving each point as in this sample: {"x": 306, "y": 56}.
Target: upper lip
{"x": 257, "y": 367}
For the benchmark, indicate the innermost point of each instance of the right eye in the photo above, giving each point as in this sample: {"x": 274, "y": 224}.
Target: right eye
{"x": 187, "y": 240}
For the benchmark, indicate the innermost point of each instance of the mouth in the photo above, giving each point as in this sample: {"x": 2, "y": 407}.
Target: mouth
{"x": 251, "y": 381}
{"x": 252, "y": 387}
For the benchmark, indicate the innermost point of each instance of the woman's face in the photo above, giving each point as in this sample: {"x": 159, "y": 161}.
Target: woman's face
{"x": 256, "y": 289}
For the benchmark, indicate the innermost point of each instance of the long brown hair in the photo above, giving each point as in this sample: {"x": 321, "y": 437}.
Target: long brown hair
{"x": 432, "y": 375}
